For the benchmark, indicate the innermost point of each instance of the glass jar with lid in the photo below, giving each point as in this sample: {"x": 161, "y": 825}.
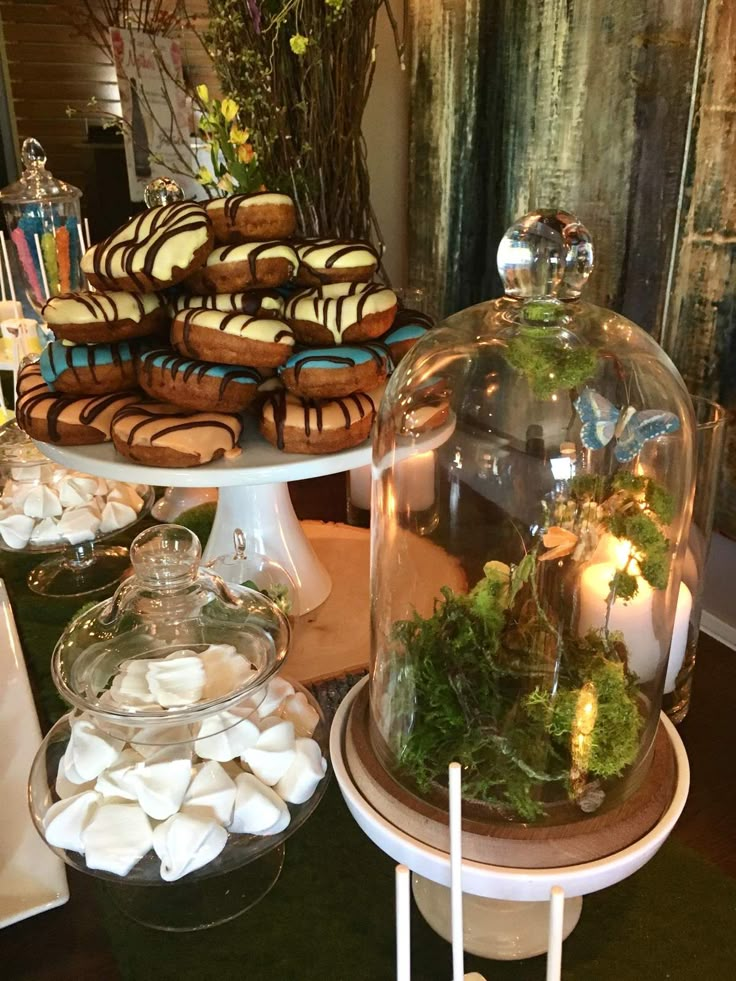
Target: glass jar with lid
{"x": 44, "y": 222}
{"x": 186, "y": 757}
{"x": 527, "y": 635}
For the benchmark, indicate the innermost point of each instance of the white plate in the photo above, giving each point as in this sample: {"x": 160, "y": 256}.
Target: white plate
{"x": 32, "y": 877}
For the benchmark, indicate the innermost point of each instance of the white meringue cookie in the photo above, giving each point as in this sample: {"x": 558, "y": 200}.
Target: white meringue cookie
{"x": 76, "y": 490}
{"x": 186, "y": 842}
{"x": 67, "y": 819}
{"x": 300, "y": 781}
{"x": 103, "y": 487}
{"x": 79, "y": 525}
{"x": 42, "y": 502}
{"x": 278, "y": 689}
{"x": 273, "y": 752}
{"x": 34, "y": 472}
{"x": 297, "y": 710}
{"x": 16, "y": 530}
{"x": 46, "y": 532}
{"x": 115, "y": 781}
{"x": 69, "y": 788}
{"x": 21, "y": 490}
{"x": 117, "y": 838}
{"x": 225, "y": 670}
{"x": 258, "y": 809}
{"x": 165, "y": 741}
{"x": 160, "y": 784}
{"x": 225, "y": 736}
{"x": 211, "y": 793}
{"x": 130, "y": 684}
{"x": 177, "y": 679}
{"x": 90, "y": 751}
{"x": 116, "y": 515}
{"x": 126, "y": 494}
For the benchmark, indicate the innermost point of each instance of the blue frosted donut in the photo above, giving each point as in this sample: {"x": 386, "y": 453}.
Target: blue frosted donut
{"x": 196, "y": 385}
{"x": 333, "y": 372}
{"x": 88, "y": 369}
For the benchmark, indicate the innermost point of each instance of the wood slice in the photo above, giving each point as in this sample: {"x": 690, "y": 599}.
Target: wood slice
{"x": 334, "y": 639}
{"x": 512, "y": 844}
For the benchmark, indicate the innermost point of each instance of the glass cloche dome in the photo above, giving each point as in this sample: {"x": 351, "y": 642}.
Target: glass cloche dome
{"x": 533, "y": 476}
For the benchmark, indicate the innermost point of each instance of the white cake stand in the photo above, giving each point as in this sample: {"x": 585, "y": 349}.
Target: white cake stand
{"x": 253, "y": 496}
{"x": 514, "y": 925}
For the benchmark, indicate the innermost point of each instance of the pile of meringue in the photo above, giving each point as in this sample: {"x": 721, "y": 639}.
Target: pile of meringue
{"x": 44, "y": 505}
{"x": 120, "y": 798}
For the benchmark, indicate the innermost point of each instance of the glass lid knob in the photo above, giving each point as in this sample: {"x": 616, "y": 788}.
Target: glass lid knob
{"x": 547, "y": 254}
{"x": 166, "y": 556}
{"x": 162, "y": 190}
{"x": 32, "y": 154}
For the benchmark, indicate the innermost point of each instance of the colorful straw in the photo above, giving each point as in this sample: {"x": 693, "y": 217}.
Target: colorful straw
{"x": 63, "y": 258}
{"x": 26, "y": 261}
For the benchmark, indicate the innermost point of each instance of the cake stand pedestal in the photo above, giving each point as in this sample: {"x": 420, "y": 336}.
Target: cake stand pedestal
{"x": 253, "y": 496}
{"x": 507, "y": 909}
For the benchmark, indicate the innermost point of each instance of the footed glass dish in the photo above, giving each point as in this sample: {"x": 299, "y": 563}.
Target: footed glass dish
{"x": 187, "y": 760}
{"x": 526, "y": 634}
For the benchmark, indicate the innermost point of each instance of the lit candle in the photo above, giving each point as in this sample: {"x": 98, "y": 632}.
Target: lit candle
{"x": 679, "y": 637}
{"x": 415, "y": 482}
{"x": 634, "y": 618}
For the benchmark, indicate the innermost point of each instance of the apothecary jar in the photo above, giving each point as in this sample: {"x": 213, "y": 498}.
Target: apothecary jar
{"x": 525, "y": 630}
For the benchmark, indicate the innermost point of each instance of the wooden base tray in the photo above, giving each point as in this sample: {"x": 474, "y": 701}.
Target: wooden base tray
{"x": 507, "y": 844}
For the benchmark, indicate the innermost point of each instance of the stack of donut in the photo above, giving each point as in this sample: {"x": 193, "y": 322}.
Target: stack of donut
{"x": 197, "y": 313}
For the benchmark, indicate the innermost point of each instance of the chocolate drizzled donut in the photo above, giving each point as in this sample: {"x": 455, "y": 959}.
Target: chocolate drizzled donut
{"x": 197, "y": 385}
{"x": 159, "y": 434}
{"x": 302, "y": 425}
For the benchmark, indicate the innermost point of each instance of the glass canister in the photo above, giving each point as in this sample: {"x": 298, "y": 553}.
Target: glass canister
{"x": 526, "y": 636}
{"x": 187, "y": 760}
{"x": 44, "y": 222}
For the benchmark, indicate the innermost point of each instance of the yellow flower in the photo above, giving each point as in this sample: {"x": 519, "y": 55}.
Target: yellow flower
{"x": 225, "y": 183}
{"x": 229, "y": 110}
{"x": 204, "y": 176}
{"x": 246, "y": 153}
{"x": 298, "y": 44}
{"x": 203, "y": 93}
{"x": 559, "y": 541}
{"x": 238, "y": 136}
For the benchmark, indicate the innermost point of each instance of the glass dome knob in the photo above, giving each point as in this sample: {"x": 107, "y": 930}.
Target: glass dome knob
{"x": 162, "y": 190}
{"x": 32, "y": 154}
{"x": 166, "y": 555}
{"x": 546, "y": 254}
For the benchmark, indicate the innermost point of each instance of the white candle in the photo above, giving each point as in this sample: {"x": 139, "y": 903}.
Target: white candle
{"x": 403, "y": 923}
{"x": 634, "y": 618}
{"x": 679, "y": 637}
{"x": 415, "y": 482}
{"x": 556, "y": 925}
{"x": 359, "y": 487}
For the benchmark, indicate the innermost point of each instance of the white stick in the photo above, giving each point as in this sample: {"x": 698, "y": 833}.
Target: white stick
{"x": 8, "y": 268}
{"x": 82, "y": 246}
{"x": 45, "y": 281}
{"x": 403, "y": 923}
{"x": 86, "y": 232}
{"x": 554, "y": 942}
{"x": 456, "y": 870}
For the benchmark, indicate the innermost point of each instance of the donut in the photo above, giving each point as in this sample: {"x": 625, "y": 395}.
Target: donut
{"x": 329, "y": 372}
{"x": 155, "y": 249}
{"x": 299, "y": 425}
{"x": 68, "y": 420}
{"x": 341, "y": 313}
{"x": 196, "y": 385}
{"x": 256, "y": 303}
{"x": 232, "y": 338}
{"x": 88, "y": 369}
{"x": 94, "y": 318}
{"x": 408, "y": 327}
{"x": 335, "y": 260}
{"x": 255, "y": 217}
{"x": 235, "y": 267}
{"x": 157, "y": 434}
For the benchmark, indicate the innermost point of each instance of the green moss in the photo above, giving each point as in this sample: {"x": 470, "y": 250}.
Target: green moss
{"x": 548, "y": 363}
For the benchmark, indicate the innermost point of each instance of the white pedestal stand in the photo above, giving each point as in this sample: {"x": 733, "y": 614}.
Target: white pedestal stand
{"x": 515, "y": 924}
{"x": 253, "y": 496}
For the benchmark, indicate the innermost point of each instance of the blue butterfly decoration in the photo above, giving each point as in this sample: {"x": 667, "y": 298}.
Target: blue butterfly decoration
{"x": 602, "y": 421}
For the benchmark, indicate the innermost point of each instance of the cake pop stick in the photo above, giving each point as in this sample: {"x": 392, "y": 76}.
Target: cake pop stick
{"x": 39, "y": 253}
{"x": 554, "y": 943}
{"x": 87, "y": 235}
{"x": 26, "y": 261}
{"x": 8, "y": 267}
{"x": 403, "y": 923}
{"x": 456, "y": 870}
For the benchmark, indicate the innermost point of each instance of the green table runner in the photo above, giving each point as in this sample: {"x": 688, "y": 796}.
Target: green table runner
{"x": 331, "y": 915}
